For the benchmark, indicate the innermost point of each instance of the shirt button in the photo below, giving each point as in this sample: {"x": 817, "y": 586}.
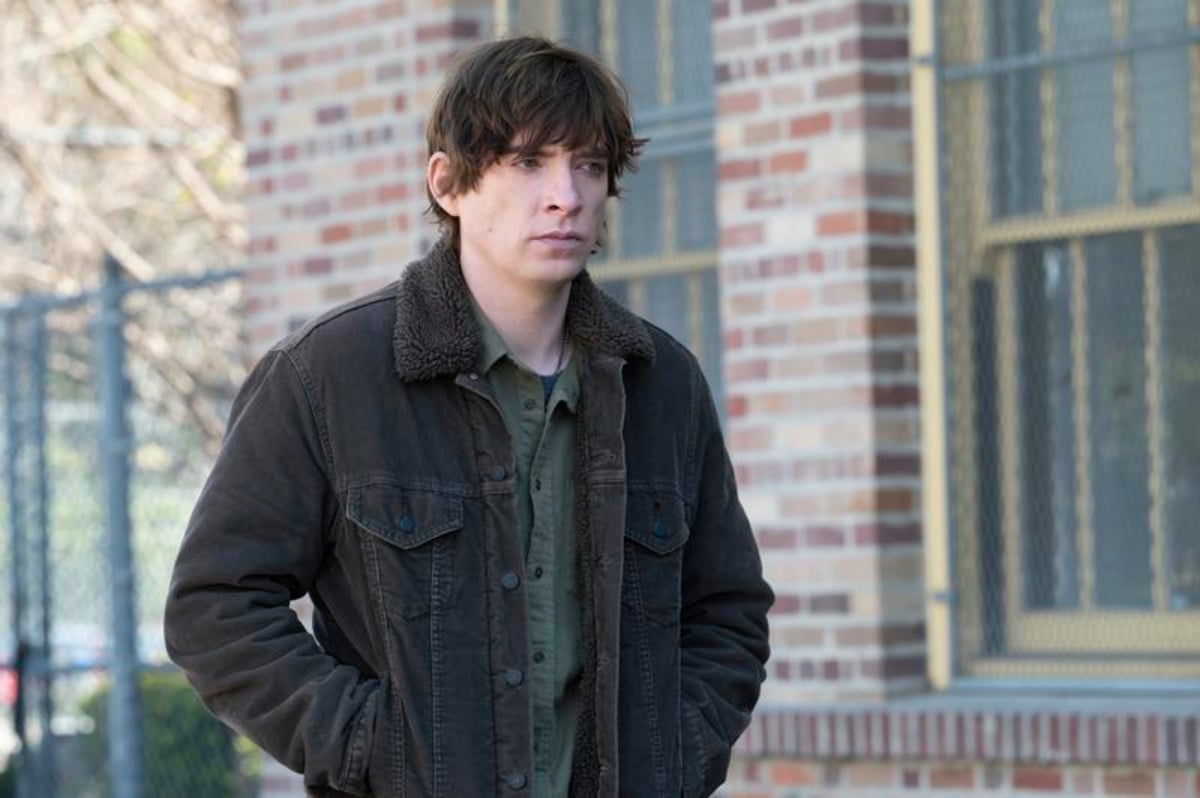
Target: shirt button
{"x": 537, "y": 484}
{"x": 497, "y": 473}
{"x": 538, "y": 656}
{"x": 537, "y": 572}
{"x": 530, "y": 404}
{"x": 515, "y": 781}
{"x": 510, "y": 580}
{"x": 513, "y": 677}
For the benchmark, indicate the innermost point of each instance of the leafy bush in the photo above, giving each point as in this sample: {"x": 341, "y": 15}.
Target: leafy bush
{"x": 8, "y": 779}
{"x": 185, "y": 751}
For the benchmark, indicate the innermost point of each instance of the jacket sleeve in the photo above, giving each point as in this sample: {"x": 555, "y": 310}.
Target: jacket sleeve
{"x": 723, "y": 622}
{"x": 254, "y": 544}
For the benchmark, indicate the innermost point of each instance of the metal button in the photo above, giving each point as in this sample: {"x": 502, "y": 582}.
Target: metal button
{"x": 515, "y": 781}
{"x": 538, "y": 656}
{"x": 407, "y": 524}
{"x": 497, "y": 473}
{"x": 472, "y": 376}
{"x": 510, "y": 580}
{"x": 513, "y": 677}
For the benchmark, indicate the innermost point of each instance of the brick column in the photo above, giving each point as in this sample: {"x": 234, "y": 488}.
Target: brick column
{"x": 818, "y": 285}
{"x": 334, "y": 103}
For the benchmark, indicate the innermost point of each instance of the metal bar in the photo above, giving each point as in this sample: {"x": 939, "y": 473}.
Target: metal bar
{"x": 43, "y": 303}
{"x": 124, "y": 717}
{"x": 37, "y": 363}
{"x": 16, "y": 519}
{"x": 1156, "y": 422}
{"x": 1015, "y": 63}
{"x": 1086, "y": 223}
{"x": 1123, "y": 118}
{"x": 1080, "y": 346}
{"x": 945, "y": 377}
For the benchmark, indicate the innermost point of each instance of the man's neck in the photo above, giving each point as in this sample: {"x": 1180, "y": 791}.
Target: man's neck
{"x": 529, "y": 318}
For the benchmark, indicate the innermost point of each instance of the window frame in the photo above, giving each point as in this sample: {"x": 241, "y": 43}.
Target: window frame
{"x": 1039, "y": 643}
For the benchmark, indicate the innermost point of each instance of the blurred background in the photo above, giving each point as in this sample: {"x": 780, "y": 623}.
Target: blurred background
{"x": 937, "y": 259}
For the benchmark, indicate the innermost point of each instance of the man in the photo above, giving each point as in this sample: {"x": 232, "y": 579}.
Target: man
{"x": 507, "y": 497}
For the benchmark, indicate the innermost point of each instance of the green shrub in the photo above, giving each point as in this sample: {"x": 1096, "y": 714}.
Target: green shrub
{"x": 8, "y": 779}
{"x": 186, "y": 751}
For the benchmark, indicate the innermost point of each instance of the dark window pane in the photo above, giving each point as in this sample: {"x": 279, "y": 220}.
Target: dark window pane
{"x": 667, "y": 304}
{"x": 1047, "y": 432}
{"x": 987, "y": 459}
{"x": 691, "y": 51}
{"x": 617, "y": 289}
{"x": 1118, "y": 436}
{"x": 710, "y": 330}
{"x": 1085, "y": 99}
{"x": 1181, "y": 399}
{"x": 642, "y": 211}
{"x": 1016, "y": 109}
{"x": 637, "y": 51}
{"x": 581, "y": 24}
{"x": 695, "y": 179}
{"x": 1160, "y": 105}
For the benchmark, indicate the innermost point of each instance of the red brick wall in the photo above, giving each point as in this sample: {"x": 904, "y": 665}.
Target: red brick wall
{"x": 775, "y": 778}
{"x": 333, "y": 108}
{"x": 817, "y": 268}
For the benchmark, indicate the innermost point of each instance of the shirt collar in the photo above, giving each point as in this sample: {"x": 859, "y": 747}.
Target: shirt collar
{"x": 493, "y": 350}
{"x": 493, "y": 347}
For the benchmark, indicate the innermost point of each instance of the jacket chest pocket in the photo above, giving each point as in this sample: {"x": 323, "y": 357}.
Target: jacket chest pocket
{"x": 655, "y": 532}
{"x": 408, "y": 536}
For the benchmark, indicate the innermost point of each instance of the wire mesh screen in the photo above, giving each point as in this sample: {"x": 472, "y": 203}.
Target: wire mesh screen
{"x": 59, "y": 648}
{"x": 1071, "y": 228}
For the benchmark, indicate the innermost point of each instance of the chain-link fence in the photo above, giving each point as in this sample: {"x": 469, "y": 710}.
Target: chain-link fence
{"x": 101, "y": 467}
{"x": 1070, "y": 176}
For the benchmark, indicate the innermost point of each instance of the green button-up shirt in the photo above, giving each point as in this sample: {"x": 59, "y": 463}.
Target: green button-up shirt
{"x": 543, "y": 436}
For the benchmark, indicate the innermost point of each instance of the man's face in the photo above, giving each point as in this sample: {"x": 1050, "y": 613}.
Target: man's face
{"x": 533, "y": 217}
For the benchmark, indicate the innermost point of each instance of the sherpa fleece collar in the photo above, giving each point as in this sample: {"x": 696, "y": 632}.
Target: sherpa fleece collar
{"x": 436, "y": 334}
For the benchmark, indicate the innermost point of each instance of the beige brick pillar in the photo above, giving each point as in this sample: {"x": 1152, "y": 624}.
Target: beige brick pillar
{"x": 818, "y": 285}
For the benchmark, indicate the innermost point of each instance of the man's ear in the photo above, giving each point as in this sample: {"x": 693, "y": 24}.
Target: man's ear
{"x": 437, "y": 177}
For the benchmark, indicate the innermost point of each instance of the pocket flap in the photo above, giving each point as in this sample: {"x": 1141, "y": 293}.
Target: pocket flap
{"x": 404, "y": 517}
{"x": 656, "y": 520}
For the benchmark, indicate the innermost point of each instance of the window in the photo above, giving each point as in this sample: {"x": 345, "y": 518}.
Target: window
{"x": 660, "y": 253}
{"x": 1071, "y": 237}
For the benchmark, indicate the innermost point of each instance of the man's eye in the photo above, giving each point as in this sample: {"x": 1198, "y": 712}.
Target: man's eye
{"x": 526, "y": 163}
{"x": 595, "y": 168}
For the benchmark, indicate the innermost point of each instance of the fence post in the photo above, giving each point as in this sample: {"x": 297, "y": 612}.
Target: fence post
{"x": 16, "y": 519}
{"x": 41, "y": 476}
{"x": 124, "y": 715}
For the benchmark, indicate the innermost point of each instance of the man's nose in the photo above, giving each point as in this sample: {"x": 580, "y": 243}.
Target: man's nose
{"x": 562, "y": 193}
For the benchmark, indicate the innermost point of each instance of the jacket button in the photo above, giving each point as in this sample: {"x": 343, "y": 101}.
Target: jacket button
{"x": 538, "y": 656}
{"x": 510, "y": 580}
{"x": 515, "y": 781}
{"x": 513, "y": 677}
{"x": 406, "y": 523}
{"x": 497, "y": 473}
{"x": 530, "y": 404}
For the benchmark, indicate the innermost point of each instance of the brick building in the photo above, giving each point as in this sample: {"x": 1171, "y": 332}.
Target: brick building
{"x": 965, "y": 456}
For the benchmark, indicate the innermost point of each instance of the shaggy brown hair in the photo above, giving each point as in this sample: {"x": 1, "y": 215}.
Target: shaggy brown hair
{"x": 532, "y": 92}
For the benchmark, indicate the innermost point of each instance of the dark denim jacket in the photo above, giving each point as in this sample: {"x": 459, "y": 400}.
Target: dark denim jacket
{"x": 366, "y": 465}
